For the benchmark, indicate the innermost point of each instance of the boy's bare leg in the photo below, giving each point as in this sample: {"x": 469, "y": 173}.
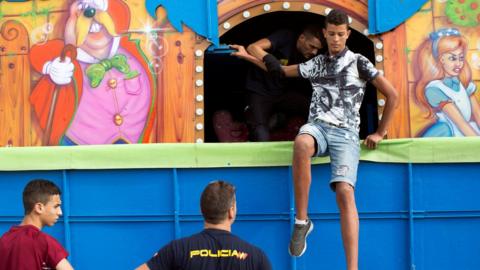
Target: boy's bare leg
{"x": 303, "y": 150}
{"x": 349, "y": 223}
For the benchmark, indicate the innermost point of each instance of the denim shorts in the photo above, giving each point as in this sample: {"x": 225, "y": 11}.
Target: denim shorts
{"x": 343, "y": 147}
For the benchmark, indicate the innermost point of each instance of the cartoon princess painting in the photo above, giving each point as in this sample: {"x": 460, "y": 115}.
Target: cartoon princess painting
{"x": 444, "y": 86}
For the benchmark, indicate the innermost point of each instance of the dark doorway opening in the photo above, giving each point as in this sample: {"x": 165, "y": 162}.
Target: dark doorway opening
{"x": 225, "y": 75}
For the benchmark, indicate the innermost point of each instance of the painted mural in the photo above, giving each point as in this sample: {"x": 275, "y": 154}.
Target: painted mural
{"x": 443, "y": 44}
{"x": 90, "y": 72}
{"x": 117, "y": 72}
{"x": 100, "y": 90}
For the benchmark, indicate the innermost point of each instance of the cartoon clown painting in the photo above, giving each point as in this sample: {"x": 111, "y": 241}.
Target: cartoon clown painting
{"x": 96, "y": 85}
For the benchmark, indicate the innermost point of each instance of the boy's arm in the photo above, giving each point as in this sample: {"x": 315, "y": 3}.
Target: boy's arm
{"x": 64, "y": 265}
{"x": 387, "y": 89}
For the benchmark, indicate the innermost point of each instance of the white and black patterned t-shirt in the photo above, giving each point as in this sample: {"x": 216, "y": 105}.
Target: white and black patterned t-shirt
{"x": 338, "y": 84}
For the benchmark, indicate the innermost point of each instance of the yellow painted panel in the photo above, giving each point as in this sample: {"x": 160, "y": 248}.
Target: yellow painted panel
{"x": 53, "y": 5}
{"x": 410, "y": 63}
{"x": 428, "y": 5}
{"x": 473, "y": 58}
{"x": 477, "y": 92}
{"x": 58, "y": 20}
{"x": 11, "y": 8}
{"x": 418, "y": 28}
{"x": 147, "y": 44}
{"x": 439, "y": 8}
{"x": 22, "y": 9}
{"x": 139, "y": 15}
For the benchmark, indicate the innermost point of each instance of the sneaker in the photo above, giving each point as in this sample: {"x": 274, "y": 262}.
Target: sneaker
{"x": 298, "y": 243}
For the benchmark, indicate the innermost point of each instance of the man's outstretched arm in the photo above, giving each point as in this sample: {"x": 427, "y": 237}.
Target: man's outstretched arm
{"x": 243, "y": 54}
{"x": 257, "y": 55}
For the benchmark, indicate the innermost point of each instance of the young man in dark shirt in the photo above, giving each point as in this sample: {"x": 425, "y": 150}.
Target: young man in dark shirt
{"x": 215, "y": 247}
{"x": 267, "y": 93}
{"x": 25, "y": 247}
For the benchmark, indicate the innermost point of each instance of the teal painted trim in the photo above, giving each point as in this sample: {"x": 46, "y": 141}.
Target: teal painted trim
{"x": 214, "y": 155}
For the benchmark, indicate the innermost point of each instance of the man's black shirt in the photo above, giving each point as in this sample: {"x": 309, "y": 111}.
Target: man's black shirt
{"x": 207, "y": 250}
{"x": 284, "y": 48}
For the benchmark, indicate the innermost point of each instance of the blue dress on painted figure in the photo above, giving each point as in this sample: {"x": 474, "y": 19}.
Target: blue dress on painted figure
{"x": 449, "y": 90}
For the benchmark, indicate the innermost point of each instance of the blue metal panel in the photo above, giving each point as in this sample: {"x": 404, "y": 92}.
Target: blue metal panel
{"x": 11, "y": 188}
{"x": 58, "y": 231}
{"x": 382, "y": 189}
{"x": 253, "y": 183}
{"x": 323, "y": 251}
{"x": 384, "y": 243}
{"x": 322, "y": 199}
{"x": 271, "y": 236}
{"x": 121, "y": 193}
{"x": 448, "y": 243}
{"x": 413, "y": 216}
{"x": 447, "y": 187}
{"x": 117, "y": 245}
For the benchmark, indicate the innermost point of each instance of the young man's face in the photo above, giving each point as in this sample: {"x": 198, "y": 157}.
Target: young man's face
{"x": 336, "y": 36}
{"x": 51, "y": 211}
{"x": 308, "y": 46}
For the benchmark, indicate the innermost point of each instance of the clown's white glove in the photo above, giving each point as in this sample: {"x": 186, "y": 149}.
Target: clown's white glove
{"x": 97, "y": 4}
{"x": 60, "y": 73}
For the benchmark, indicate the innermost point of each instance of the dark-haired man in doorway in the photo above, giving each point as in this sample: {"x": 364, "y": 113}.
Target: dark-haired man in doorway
{"x": 267, "y": 93}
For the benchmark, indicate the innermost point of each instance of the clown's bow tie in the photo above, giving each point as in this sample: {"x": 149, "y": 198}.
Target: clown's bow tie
{"x": 96, "y": 72}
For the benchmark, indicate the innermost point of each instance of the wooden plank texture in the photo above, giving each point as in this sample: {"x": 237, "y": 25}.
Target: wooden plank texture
{"x": 15, "y": 112}
{"x": 176, "y": 89}
{"x": 396, "y": 71}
